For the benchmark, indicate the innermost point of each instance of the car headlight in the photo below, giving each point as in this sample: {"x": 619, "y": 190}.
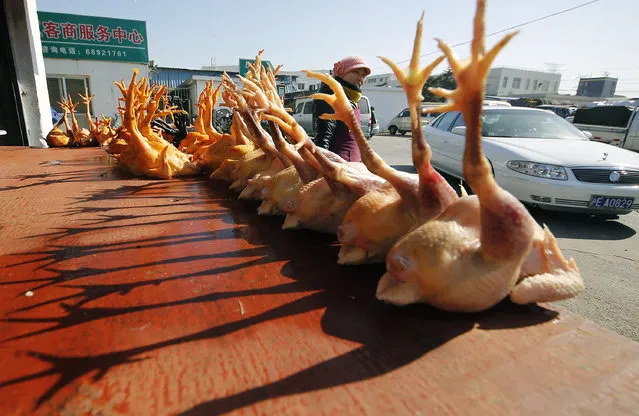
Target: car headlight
{"x": 540, "y": 170}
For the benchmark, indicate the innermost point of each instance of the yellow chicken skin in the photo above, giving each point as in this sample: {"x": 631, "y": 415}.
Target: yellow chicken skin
{"x": 484, "y": 247}
{"x": 57, "y": 137}
{"x": 146, "y": 153}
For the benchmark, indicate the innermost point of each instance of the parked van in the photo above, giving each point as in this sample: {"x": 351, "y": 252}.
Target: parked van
{"x": 401, "y": 122}
{"x": 303, "y": 114}
{"x": 617, "y": 125}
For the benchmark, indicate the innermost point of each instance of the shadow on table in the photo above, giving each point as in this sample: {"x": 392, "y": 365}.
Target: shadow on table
{"x": 390, "y": 337}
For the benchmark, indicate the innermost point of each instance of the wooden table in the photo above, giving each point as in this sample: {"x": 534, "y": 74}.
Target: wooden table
{"x": 121, "y": 295}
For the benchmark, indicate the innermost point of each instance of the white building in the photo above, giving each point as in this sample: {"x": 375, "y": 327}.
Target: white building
{"x": 302, "y": 82}
{"x": 512, "y": 82}
{"x": 382, "y": 80}
{"x": 501, "y": 81}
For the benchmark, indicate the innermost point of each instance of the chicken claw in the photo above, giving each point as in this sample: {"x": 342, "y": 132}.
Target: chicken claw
{"x": 338, "y": 100}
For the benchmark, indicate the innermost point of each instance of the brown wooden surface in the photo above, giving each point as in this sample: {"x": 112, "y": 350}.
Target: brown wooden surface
{"x": 168, "y": 297}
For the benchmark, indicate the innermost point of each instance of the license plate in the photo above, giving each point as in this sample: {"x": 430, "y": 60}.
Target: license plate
{"x": 611, "y": 202}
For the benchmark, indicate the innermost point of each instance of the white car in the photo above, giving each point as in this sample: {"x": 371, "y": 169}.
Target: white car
{"x": 542, "y": 160}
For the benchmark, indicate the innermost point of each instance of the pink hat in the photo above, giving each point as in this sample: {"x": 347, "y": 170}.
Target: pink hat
{"x": 348, "y": 64}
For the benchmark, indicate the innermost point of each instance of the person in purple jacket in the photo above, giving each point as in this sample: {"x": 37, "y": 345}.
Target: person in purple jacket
{"x": 332, "y": 134}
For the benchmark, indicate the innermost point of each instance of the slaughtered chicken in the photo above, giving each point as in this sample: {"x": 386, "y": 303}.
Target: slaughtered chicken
{"x": 144, "y": 151}
{"x": 380, "y": 217}
{"x": 57, "y": 137}
{"x": 484, "y": 247}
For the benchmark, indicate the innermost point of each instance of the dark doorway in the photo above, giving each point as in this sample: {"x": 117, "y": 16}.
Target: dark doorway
{"x": 12, "y": 127}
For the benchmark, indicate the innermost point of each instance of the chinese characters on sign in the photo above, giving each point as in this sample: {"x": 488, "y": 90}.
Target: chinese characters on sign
{"x": 88, "y": 37}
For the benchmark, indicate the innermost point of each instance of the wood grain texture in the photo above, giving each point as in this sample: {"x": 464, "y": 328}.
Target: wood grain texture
{"x": 172, "y": 297}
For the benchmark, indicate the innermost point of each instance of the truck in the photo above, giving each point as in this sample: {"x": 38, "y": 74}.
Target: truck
{"x": 388, "y": 102}
{"x": 617, "y": 125}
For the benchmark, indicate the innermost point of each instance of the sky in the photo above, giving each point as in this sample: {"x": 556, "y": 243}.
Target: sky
{"x": 590, "y": 41}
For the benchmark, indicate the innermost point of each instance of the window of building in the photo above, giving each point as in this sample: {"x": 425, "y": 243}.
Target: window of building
{"x": 516, "y": 83}
{"x": 312, "y": 87}
{"x": 300, "y": 86}
{"x": 544, "y": 85}
{"x": 535, "y": 85}
{"x": 527, "y": 84}
{"x": 555, "y": 88}
{"x": 63, "y": 87}
{"x": 504, "y": 82}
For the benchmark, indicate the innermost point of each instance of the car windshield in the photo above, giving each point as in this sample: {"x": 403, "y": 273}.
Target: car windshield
{"x": 531, "y": 124}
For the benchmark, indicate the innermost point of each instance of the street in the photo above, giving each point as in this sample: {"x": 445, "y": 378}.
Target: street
{"x": 607, "y": 252}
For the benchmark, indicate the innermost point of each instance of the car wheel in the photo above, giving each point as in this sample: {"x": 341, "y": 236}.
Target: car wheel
{"x": 392, "y": 130}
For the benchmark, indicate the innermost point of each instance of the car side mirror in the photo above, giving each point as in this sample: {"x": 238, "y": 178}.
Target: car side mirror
{"x": 587, "y": 134}
{"x": 459, "y": 130}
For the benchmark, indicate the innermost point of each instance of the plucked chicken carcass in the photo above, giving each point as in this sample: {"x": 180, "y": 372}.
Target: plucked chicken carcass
{"x": 276, "y": 190}
{"x": 235, "y": 157}
{"x": 317, "y": 194}
{"x": 146, "y": 152}
{"x": 223, "y": 151}
{"x": 81, "y": 137}
{"x": 260, "y": 94}
{"x": 380, "y": 217}
{"x": 105, "y": 133}
{"x": 93, "y": 127}
{"x": 57, "y": 137}
{"x": 194, "y": 139}
{"x": 254, "y": 169}
{"x": 484, "y": 247}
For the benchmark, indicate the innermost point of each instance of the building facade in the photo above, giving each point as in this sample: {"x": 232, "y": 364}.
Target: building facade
{"x": 382, "y": 80}
{"x": 513, "y": 82}
{"x": 597, "y": 87}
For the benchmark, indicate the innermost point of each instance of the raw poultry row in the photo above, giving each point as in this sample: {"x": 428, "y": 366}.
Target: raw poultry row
{"x": 74, "y": 135}
{"x": 456, "y": 253}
